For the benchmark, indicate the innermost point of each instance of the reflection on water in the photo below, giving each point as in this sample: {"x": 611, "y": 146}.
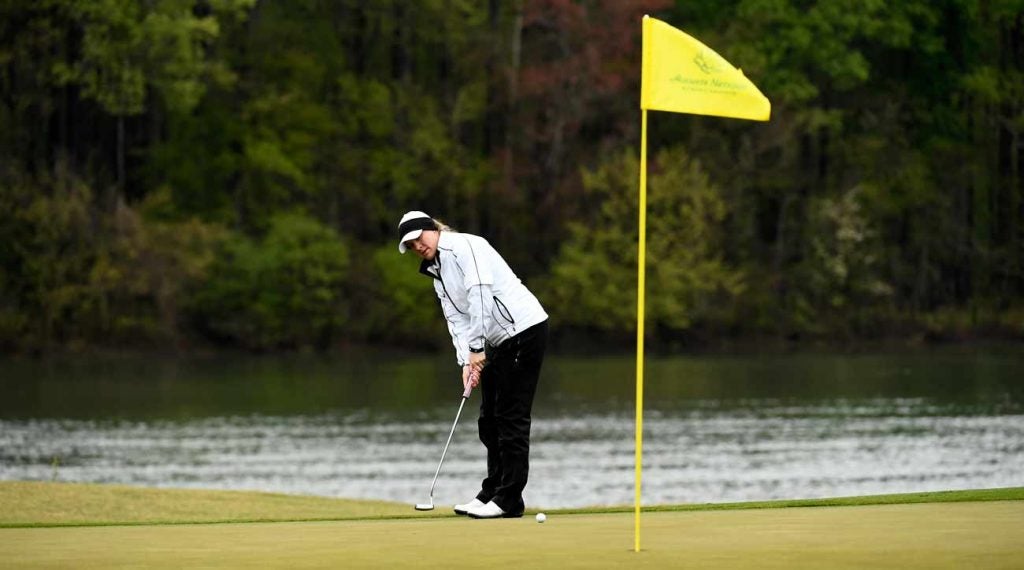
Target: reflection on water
{"x": 716, "y": 429}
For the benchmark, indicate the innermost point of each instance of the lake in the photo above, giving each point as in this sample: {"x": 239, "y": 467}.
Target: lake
{"x": 372, "y": 424}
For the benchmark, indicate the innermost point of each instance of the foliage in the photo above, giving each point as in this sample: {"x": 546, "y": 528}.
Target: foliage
{"x": 146, "y": 272}
{"x": 840, "y": 273}
{"x": 156, "y": 155}
{"x": 75, "y": 277}
{"x": 284, "y": 290}
{"x": 593, "y": 278}
{"x": 397, "y": 303}
{"x": 49, "y": 249}
{"x": 127, "y": 47}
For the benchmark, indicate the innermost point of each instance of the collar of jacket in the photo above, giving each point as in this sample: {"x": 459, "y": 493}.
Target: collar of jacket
{"x": 427, "y": 264}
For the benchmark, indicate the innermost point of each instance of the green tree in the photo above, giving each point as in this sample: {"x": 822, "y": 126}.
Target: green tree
{"x": 283, "y": 291}
{"x": 72, "y": 278}
{"x": 395, "y": 303}
{"x": 144, "y": 273}
{"x": 48, "y": 250}
{"x": 593, "y": 278}
{"x": 842, "y": 271}
{"x": 130, "y": 48}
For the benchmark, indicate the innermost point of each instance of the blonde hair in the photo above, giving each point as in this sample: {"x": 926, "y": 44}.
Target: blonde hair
{"x": 443, "y": 227}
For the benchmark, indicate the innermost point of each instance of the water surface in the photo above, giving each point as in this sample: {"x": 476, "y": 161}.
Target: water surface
{"x": 372, "y": 425}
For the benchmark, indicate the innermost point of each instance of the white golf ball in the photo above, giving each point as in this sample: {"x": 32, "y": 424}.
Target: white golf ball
{"x": 541, "y": 518}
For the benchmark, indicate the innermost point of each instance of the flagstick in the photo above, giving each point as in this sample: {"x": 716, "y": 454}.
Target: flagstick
{"x": 662, "y": 64}
{"x": 640, "y": 271}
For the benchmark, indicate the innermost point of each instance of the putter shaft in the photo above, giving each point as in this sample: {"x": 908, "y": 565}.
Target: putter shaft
{"x": 465, "y": 396}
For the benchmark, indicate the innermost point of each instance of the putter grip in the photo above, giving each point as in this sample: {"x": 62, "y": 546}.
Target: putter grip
{"x": 469, "y": 389}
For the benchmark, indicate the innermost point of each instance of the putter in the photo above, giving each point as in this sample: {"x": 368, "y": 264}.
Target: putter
{"x": 430, "y": 506}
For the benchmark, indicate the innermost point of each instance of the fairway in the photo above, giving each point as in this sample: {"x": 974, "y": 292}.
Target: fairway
{"x": 950, "y": 535}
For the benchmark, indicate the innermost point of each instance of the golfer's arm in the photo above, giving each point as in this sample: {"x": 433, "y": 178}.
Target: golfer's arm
{"x": 458, "y": 328}
{"x": 481, "y": 301}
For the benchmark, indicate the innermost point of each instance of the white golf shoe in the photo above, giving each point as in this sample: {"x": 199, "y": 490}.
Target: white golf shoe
{"x": 490, "y": 511}
{"x": 463, "y": 509}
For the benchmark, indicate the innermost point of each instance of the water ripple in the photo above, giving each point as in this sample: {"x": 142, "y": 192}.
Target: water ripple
{"x": 754, "y": 450}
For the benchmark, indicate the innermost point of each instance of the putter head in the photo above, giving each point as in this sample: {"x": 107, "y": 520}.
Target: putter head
{"x": 424, "y": 506}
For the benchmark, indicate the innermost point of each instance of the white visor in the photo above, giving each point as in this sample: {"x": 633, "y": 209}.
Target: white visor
{"x": 411, "y": 226}
{"x": 409, "y": 236}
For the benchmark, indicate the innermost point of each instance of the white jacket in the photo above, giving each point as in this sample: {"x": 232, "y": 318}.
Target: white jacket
{"x": 481, "y": 298}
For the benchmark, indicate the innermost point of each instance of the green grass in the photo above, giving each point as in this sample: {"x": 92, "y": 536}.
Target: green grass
{"x": 977, "y": 495}
{"x": 62, "y": 525}
{"x": 40, "y": 504}
{"x": 905, "y": 536}
{"x": 30, "y": 503}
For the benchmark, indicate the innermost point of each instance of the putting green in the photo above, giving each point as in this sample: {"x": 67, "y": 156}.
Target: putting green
{"x": 36, "y": 503}
{"x": 936, "y": 535}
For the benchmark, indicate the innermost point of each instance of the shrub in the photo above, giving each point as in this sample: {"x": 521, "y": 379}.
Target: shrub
{"x": 283, "y": 291}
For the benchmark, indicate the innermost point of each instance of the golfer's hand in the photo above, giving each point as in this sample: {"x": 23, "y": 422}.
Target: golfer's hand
{"x": 477, "y": 361}
{"x": 470, "y": 377}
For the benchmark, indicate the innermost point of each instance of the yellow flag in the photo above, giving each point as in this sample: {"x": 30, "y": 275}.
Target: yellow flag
{"x": 682, "y": 75}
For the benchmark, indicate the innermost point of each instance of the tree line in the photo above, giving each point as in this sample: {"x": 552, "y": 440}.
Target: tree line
{"x": 231, "y": 172}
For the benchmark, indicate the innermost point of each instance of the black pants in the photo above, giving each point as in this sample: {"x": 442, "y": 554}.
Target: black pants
{"x": 508, "y": 383}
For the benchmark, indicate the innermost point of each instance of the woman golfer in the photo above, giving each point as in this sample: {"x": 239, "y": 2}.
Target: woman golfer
{"x": 494, "y": 320}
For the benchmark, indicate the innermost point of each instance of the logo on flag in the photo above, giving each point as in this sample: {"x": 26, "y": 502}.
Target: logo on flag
{"x": 702, "y": 63}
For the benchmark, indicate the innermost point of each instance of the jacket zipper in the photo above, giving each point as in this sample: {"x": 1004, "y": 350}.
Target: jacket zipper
{"x": 445, "y": 288}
